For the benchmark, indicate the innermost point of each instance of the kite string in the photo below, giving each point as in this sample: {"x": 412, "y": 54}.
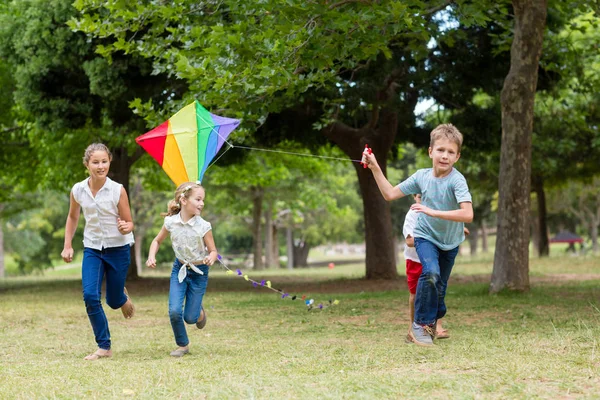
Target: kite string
{"x": 292, "y": 153}
{"x": 268, "y": 150}
{"x": 231, "y": 146}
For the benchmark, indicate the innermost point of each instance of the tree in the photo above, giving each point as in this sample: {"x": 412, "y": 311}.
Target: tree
{"x": 511, "y": 259}
{"x": 582, "y": 200}
{"x": 259, "y": 179}
{"x": 566, "y": 117}
{"x": 70, "y": 96}
{"x": 255, "y": 59}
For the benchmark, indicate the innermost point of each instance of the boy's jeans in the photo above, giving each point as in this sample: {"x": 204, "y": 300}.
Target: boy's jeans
{"x": 114, "y": 262}
{"x": 431, "y": 289}
{"x": 192, "y": 290}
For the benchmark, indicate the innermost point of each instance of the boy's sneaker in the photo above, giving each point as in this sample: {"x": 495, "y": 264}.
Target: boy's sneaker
{"x": 421, "y": 335}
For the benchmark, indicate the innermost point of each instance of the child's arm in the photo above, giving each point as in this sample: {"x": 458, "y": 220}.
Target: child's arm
{"x": 70, "y": 228}
{"x": 388, "y": 191}
{"x": 124, "y": 222}
{"x": 465, "y": 214}
{"x": 209, "y": 241}
{"x": 162, "y": 235}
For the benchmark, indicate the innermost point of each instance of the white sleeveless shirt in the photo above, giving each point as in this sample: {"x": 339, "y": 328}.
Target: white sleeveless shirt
{"x": 101, "y": 213}
{"x": 187, "y": 238}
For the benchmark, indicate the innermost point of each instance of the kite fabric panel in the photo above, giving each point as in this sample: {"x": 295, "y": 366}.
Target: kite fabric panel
{"x": 186, "y": 143}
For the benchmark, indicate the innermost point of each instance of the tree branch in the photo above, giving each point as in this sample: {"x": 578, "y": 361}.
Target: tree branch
{"x": 341, "y": 3}
{"x": 437, "y": 8}
{"x": 138, "y": 153}
{"x": 8, "y": 130}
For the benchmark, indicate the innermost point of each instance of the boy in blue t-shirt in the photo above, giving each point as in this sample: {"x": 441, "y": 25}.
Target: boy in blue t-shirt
{"x": 445, "y": 206}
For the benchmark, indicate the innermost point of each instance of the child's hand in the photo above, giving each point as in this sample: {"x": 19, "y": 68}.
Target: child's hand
{"x": 420, "y": 208}
{"x": 371, "y": 161}
{"x": 210, "y": 259}
{"x": 123, "y": 226}
{"x": 151, "y": 262}
{"x": 467, "y": 232}
{"x": 67, "y": 254}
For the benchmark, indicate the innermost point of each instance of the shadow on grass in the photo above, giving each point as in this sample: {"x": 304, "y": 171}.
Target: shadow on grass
{"x": 470, "y": 286}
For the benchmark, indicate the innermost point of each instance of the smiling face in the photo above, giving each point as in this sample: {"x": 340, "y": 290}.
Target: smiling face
{"x": 193, "y": 203}
{"x": 98, "y": 164}
{"x": 444, "y": 154}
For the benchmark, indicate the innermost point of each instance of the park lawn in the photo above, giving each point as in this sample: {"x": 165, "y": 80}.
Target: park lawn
{"x": 542, "y": 344}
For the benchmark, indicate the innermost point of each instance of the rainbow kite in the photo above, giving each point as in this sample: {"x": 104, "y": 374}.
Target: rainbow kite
{"x": 186, "y": 143}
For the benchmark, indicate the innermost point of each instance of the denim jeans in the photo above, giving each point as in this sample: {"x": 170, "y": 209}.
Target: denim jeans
{"x": 114, "y": 263}
{"x": 191, "y": 290}
{"x": 431, "y": 288}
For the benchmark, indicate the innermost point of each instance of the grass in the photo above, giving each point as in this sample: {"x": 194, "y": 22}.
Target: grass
{"x": 542, "y": 344}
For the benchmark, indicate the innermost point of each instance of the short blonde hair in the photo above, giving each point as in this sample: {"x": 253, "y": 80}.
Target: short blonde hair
{"x": 446, "y": 131}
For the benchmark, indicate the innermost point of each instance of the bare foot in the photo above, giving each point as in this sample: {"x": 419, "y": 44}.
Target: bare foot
{"x": 128, "y": 309}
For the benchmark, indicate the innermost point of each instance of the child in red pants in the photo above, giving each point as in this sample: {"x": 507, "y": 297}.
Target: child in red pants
{"x": 414, "y": 267}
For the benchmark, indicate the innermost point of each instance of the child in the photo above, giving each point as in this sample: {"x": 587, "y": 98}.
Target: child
{"x": 195, "y": 251}
{"x": 445, "y": 207}
{"x": 107, "y": 239}
{"x": 414, "y": 268}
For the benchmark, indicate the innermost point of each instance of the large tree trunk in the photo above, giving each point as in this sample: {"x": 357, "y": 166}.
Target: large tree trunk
{"x": 594, "y": 237}
{"x": 275, "y": 247}
{"x": 301, "y": 254}
{"x": 380, "y": 257}
{"x": 269, "y": 236}
{"x": 484, "y": 237}
{"x": 137, "y": 250}
{"x": 289, "y": 244}
{"x": 257, "y": 205}
{"x": 511, "y": 259}
{"x": 473, "y": 239}
{"x": 543, "y": 245}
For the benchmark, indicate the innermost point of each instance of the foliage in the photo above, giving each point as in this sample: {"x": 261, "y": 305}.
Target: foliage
{"x": 70, "y": 95}
{"x": 318, "y": 194}
{"x": 31, "y": 234}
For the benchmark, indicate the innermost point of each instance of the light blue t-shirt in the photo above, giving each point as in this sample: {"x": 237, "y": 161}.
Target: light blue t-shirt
{"x": 442, "y": 194}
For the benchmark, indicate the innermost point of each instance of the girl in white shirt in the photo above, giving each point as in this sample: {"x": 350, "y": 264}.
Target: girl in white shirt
{"x": 195, "y": 251}
{"x": 107, "y": 239}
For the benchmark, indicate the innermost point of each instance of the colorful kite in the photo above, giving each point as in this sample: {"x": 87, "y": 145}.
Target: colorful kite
{"x": 186, "y": 143}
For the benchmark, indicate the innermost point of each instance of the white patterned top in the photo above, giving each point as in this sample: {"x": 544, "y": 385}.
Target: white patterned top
{"x": 187, "y": 237}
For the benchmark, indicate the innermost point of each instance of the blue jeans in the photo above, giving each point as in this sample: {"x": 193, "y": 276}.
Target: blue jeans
{"x": 431, "y": 288}
{"x": 114, "y": 263}
{"x": 192, "y": 289}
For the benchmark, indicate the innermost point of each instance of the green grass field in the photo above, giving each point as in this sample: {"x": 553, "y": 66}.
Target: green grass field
{"x": 542, "y": 344}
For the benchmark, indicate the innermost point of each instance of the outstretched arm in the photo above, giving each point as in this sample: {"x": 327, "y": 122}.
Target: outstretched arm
{"x": 465, "y": 214}
{"x": 388, "y": 191}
